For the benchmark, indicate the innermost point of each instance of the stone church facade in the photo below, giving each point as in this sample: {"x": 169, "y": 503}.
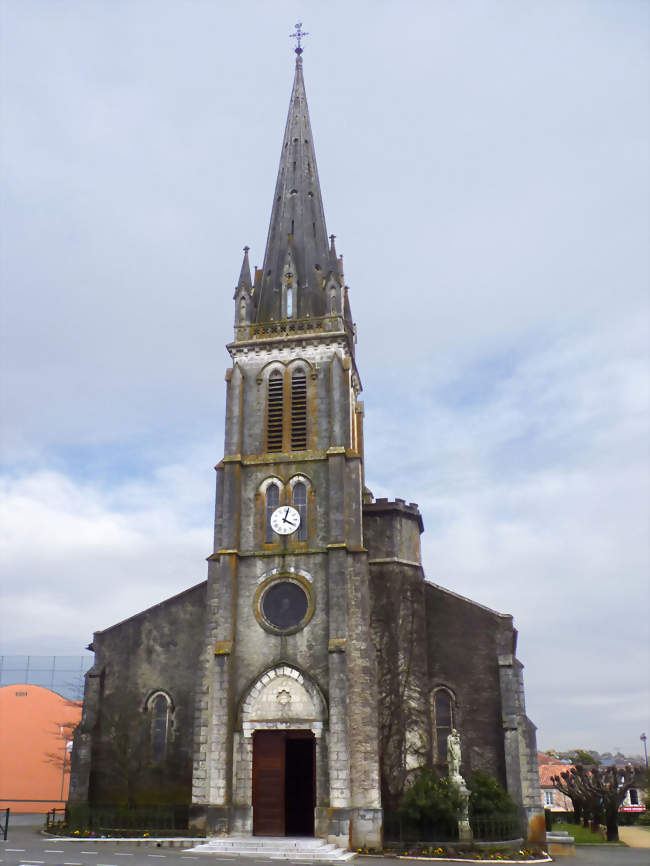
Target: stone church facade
{"x": 296, "y": 691}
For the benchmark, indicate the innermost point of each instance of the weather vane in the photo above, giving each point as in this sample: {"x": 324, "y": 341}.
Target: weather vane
{"x": 298, "y": 35}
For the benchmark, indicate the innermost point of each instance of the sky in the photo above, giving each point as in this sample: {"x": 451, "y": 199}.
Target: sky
{"x": 484, "y": 166}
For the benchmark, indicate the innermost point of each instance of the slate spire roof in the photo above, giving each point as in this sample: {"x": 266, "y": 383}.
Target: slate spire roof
{"x": 297, "y": 246}
{"x": 245, "y": 273}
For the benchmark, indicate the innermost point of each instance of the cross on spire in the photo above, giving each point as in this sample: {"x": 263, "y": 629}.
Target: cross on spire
{"x": 298, "y": 35}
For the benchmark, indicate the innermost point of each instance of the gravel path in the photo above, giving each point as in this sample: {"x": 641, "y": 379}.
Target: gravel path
{"x": 635, "y": 837}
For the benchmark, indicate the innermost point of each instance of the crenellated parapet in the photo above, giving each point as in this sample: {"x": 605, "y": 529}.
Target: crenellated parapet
{"x": 392, "y": 531}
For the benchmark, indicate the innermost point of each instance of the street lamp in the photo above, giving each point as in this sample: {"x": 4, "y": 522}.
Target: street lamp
{"x": 645, "y": 747}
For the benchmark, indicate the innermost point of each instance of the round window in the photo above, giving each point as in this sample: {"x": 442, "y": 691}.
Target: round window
{"x": 284, "y": 604}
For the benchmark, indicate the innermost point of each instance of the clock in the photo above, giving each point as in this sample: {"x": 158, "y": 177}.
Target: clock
{"x": 285, "y": 520}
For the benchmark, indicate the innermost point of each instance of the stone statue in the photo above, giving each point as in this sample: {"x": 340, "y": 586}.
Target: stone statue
{"x": 453, "y": 753}
{"x": 453, "y": 762}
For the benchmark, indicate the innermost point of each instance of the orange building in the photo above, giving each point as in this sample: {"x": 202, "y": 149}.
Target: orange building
{"x": 36, "y": 728}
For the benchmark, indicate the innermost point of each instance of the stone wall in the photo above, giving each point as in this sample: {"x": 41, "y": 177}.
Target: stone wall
{"x": 427, "y": 637}
{"x": 392, "y": 536}
{"x": 462, "y": 649}
{"x": 153, "y": 652}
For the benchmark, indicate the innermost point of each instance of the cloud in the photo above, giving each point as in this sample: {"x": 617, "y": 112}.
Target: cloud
{"x": 78, "y": 556}
{"x": 534, "y": 492}
{"x": 486, "y": 175}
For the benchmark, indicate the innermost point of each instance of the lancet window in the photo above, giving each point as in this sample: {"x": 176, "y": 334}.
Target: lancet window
{"x": 272, "y": 502}
{"x": 160, "y": 707}
{"x": 300, "y": 504}
{"x": 274, "y": 493}
{"x": 443, "y": 722}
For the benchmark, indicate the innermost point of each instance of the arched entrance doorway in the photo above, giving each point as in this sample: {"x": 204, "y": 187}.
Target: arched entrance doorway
{"x": 284, "y": 783}
{"x": 280, "y": 756}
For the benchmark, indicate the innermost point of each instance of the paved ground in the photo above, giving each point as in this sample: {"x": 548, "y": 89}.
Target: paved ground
{"x": 26, "y": 847}
{"x": 635, "y": 837}
{"x": 602, "y": 855}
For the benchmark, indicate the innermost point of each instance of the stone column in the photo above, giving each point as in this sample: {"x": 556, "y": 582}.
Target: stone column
{"x": 519, "y": 741}
{"x": 81, "y": 758}
{"x": 337, "y": 740}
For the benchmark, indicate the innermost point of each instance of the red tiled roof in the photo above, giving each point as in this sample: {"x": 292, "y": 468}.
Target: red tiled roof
{"x": 548, "y": 770}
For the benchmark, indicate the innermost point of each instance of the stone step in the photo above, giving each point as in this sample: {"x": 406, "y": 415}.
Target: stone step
{"x": 275, "y": 848}
{"x": 270, "y": 842}
{"x": 338, "y": 855}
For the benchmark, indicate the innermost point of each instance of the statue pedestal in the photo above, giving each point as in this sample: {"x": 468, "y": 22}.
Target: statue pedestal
{"x": 464, "y": 827}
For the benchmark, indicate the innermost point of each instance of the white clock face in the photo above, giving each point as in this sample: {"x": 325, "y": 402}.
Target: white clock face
{"x": 285, "y": 520}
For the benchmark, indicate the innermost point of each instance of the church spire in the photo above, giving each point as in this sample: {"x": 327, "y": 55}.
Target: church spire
{"x": 245, "y": 273}
{"x": 297, "y": 257}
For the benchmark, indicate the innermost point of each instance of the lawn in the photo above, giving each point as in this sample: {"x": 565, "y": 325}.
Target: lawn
{"x": 583, "y": 835}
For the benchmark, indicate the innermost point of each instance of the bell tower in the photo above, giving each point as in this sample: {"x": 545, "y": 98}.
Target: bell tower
{"x": 286, "y": 737}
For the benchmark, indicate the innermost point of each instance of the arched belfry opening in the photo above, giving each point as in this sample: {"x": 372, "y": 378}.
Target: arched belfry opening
{"x": 279, "y": 753}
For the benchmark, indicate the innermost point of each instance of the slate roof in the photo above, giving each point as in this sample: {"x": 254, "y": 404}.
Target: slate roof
{"x": 297, "y": 241}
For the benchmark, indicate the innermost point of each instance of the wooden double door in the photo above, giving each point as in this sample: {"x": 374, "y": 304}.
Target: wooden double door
{"x": 284, "y": 777}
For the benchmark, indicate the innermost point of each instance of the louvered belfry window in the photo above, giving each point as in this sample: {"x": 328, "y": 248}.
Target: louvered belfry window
{"x": 299, "y": 411}
{"x": 275, "y": 410}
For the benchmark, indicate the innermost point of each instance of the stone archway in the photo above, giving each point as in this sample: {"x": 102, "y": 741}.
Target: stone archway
{"x": 282, "y": 716}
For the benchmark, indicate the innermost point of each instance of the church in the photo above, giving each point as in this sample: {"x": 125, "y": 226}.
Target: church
{"x": 298, "y": 689}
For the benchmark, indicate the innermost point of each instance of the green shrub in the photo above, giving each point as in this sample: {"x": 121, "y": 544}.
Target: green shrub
{"x": 430, "y": 799}
{"x": 488, "y": 797}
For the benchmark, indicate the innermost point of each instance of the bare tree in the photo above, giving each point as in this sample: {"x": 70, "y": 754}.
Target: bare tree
{"x": 61, "y": 757}
{"x": 63, "y": 733}
{"x": 599, "y": 791}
